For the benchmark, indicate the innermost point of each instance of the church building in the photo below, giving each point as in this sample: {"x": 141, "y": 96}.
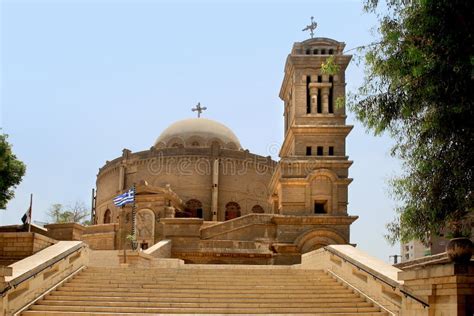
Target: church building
{"x": 217, "y": 202}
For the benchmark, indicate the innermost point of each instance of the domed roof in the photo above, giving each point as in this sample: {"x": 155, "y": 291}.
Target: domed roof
{"x": 197, "y": 132}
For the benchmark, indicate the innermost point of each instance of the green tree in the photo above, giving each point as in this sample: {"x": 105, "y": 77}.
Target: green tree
{"x": 75, "y": 213}
{"x": 11, "y": 171}
{"x": 419, "y": 88}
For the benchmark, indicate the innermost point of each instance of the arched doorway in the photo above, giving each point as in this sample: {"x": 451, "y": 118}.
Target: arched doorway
{"x": 258, "y": 209}
{"x": 194, "y": 208}
{"x": 232, "y": 210}
{"x": 107, "y": 217}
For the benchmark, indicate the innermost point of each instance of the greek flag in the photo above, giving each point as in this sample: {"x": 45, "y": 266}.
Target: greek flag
{"x": 125, "y": 198}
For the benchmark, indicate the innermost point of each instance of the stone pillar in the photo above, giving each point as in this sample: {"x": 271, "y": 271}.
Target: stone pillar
{"x": 215, "y": 189}
{"x": 314, "y": 99}
{"x": 325, "y": 99}
{"x": 121, "y": 180}
{"x": 447, "y": 287}
{"x": 125, "y": 155}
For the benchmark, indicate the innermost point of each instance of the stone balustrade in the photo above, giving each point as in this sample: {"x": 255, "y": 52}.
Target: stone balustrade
{"x": 25, "y": 281}
{"x": 371, "y": 277}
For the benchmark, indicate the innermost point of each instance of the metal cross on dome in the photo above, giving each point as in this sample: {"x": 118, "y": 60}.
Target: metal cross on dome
{"x": 311, "y": 27}
{"x": 199, "y": 109}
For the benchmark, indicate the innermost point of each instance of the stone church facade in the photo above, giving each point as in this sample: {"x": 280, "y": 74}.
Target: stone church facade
{"x": 219, "y": 203}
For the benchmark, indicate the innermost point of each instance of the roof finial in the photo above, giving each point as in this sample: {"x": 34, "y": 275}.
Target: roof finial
{"x": 199, "y": 109}
{"x": 311, "y": 27}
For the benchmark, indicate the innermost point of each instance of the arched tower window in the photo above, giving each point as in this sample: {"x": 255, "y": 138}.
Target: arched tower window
{"x": 258, "y": 209}
{"x": 194, "y": 208}
{"x": 232, "y": 210}
{"x": 107, "y": 217}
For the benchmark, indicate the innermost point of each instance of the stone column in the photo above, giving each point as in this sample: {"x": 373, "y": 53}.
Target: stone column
{"x": 215, "y": 189}
{"x": 121, "y": 180}
{"x": 314, "y": 99}
{"x": 325, "y": 99}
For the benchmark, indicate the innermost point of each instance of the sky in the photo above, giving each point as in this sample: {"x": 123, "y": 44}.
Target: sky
{"x": 81, "y": 80}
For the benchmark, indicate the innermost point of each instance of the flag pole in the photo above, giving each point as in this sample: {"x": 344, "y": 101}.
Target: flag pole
{"x": 134, "y": 215}
{"x": 30, "y": 210}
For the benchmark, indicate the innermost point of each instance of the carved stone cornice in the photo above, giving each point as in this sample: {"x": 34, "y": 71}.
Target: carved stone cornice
{"x": 313, "y": 220}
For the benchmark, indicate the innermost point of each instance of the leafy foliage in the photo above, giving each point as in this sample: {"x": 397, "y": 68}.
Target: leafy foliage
{"x": 12, "y": 171}
{"x": 76, "y": 213}
{"x": 329, "y": 66}
{"x": 419, "y": 88}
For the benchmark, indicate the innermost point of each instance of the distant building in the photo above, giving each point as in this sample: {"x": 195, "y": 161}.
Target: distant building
{"x": 416, "y": 249}
{"x": 413, "y": 250}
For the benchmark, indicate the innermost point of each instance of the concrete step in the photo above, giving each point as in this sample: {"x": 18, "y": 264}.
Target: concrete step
{"x": 60, "y": 313}
{"x": 203, "y": 275}
{"x": 211, "y": 269}
{"x": 207, "y": 294}
{"x": 203, "y": 285}
{"x": 222, "y": 310}
{"x": 203, "y": 279}
{"x": 170, "y": 298}
{"x": 245, "y": 304}
{"x": 281, "y": 289}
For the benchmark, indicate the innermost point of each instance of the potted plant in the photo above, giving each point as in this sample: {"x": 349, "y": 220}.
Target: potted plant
{"x": 459, "y": 248}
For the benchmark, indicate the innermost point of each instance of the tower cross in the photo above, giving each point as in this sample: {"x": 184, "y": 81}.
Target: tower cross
{"x": 311, "y": 27}
{"x": 199, "y": 109}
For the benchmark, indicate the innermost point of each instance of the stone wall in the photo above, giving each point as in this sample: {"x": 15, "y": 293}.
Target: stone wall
{"x": 243, "y": 177}
{"x": 101, "y": 237}
{"x": 19, "y": 245}
{"x": 65, "y": 231}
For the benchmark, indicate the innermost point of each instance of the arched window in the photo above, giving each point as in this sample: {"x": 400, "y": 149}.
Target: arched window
{"x": 232, "y": 210}
{"x": 257, "y": 209}
{"x": 194, "y": 208}
{"x": 195, "y": 144}
{"x": 107, "y": 217}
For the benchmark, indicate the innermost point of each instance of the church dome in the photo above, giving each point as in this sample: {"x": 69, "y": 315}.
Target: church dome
{"x": 197, "y": 132}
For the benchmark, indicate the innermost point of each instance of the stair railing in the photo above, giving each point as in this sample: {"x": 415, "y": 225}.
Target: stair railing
{"x": 393, "y": 285}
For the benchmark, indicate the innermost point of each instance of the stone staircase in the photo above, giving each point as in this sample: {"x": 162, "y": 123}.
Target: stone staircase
{"x": 202, "y": 289}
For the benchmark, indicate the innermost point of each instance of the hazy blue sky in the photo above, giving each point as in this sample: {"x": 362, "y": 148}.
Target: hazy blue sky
{"x": 81, "y": 80}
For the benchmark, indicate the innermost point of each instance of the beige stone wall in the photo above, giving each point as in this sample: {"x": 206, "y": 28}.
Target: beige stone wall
{"x": 101, "y": 237}
{"x": 65, "y": 231}
{"x": 243, "y": 177}
{"x": 447, "y": 287}
{"x": 337, "y": 141}
{"x": 16, "y": 246}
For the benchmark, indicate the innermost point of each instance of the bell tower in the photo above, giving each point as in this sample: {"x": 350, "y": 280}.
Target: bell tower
{"x": 312, "y": 176}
